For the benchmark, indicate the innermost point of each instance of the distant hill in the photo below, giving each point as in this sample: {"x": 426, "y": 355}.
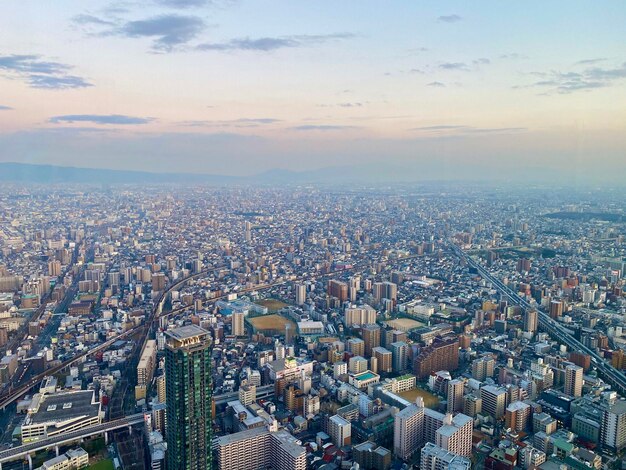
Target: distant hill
{"x": 29, "y": 173}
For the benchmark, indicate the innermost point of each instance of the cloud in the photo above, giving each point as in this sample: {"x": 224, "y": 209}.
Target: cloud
{"x": 320, "y": 127}
{"x": 449, "y": 18}
{"x": 436, "y": 84}
{"x": 168, "y": 31}
{"x": 589, "y": 61}
{"x": 5, "y": 108}
{"x": 57, "y": 83}
{"x": 481, "y": 61}
{"x": 590, "y": 78}
{"x": 40, "y": 73}
{"x": 453, "y": 66}
{"x": 182, "y": 3}
{"x": 86, "y": 19}
{"x": 237, "y": 123}
{"x": 460, "y": 130}
{"x": 116, "y": 119}
{"x": 267, "y": 44}
{"x": 514, "y": 56}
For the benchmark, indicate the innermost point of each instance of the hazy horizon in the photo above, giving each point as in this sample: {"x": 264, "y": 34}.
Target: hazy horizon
{"x": 443, "y": 91}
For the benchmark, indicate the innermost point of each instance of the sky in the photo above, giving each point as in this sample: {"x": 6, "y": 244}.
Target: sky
{"x": 395, "y": 89}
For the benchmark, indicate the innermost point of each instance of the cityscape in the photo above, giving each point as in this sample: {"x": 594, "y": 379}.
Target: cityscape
{"x": 457, "y": 327}
{"x": 244, "y": 235}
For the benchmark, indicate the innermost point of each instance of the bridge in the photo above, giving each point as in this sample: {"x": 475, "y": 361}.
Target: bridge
{"x": 25, "y": 450}
{"x": 561, "y": 334}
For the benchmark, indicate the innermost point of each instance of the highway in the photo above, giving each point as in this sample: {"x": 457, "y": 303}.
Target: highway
{"x": 559, "y": 333}
{"x": 65, "y": 438}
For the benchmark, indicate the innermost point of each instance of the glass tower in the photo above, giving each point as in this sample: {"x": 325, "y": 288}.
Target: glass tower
{"x": 188, "y": 390}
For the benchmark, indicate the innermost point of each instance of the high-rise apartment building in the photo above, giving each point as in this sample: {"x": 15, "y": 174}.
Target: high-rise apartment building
{"x": 359, "y": 316}
{"x": 517, "y": 416}
{"x": 442, "y": 354}
{"x": 494, "y": 400}
{"x": 530, "y": 321}
{"x": 483, "y": 367}
{"x": 340, "y": 431}
{"x": 573, "y": 381}
{"x": 188, "y": 383}
{"x": 356, "y": 346}
{"x": 400, "y": 356}
{"x": 456, "y": 388}
{"x": 434, "y": 457}
{"x": 614, "y": 426}
{"x": 371, "y": 338}
{"x": 238, "y": 326}
{"x": 383, "y": 359}
{"x": 259, "y": 448}
{"x": 300, "y": 294}
{"x": 338, "y": 289}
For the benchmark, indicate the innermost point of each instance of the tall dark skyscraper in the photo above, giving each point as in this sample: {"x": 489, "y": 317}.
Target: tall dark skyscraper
{"x": 188, "y": 383}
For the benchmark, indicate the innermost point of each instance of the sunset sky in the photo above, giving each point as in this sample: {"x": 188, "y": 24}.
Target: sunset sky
{"x": 434, "y": 90}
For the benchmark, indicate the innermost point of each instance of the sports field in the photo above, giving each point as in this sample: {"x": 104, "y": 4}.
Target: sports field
{"x": 272, "y": 305}
{"x": 430, "y": 400}
{"x": 271, "y": 323}
{"x": 404, "y": 324}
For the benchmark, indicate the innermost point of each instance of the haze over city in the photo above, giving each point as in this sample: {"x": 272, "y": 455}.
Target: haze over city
{"x": 409, "y": 90}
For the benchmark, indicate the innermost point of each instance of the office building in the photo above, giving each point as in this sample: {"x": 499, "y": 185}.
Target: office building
{"x": 188, "y": 382}
{"x": 573, "y": 381}
{"x": 73, "y": 459}
{"x": 247, "y": 394}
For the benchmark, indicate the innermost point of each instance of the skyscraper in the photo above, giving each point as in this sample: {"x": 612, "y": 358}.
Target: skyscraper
{"x": 238, "y": 323}
{"x": 300, "y": 294}
{"x": 371, "y": 337}
{"x": 456, "y": 388}
{"x": 188, "y": 383}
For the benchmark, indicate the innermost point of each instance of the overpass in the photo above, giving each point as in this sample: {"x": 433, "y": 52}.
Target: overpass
{"x": 558, "y": 332}
{"x": 25, "y": 450}
{"x": 261, "y": 392}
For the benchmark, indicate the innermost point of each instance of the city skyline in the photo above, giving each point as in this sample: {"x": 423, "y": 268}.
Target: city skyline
{"x": 421, "y": 91}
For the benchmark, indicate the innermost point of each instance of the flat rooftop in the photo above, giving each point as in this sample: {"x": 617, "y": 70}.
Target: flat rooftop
{"x": 61, "y": 407}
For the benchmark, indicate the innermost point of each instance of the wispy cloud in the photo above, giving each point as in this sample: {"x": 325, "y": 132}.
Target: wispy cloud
{"x": 115, "y": 119}
{"x": 459, "y": 130}
{"x": 436, "y": 84}
{"x": 590, "y": 78}
{"x": 321, "y": 127}
{"x": 40, "y": 73}
{"x": 514, "y": 56}
{"x": 236, "y": 123}
{"x": 167, "y": 31}
{"x": 183, "y": 3}
{"x": 481, "y": 61}
{"x": 453, "y": 66}
{"x": 449, "y": 18}
{"x": 589, "y": 61}
{"x": 267, "y": 44}
{"x": 5, "y": 108}
{"x": 86, "y": 19}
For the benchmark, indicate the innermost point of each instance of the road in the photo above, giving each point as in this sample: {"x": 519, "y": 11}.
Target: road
{"x": 24, "y": 450}
{"x": 611, "y": 375}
